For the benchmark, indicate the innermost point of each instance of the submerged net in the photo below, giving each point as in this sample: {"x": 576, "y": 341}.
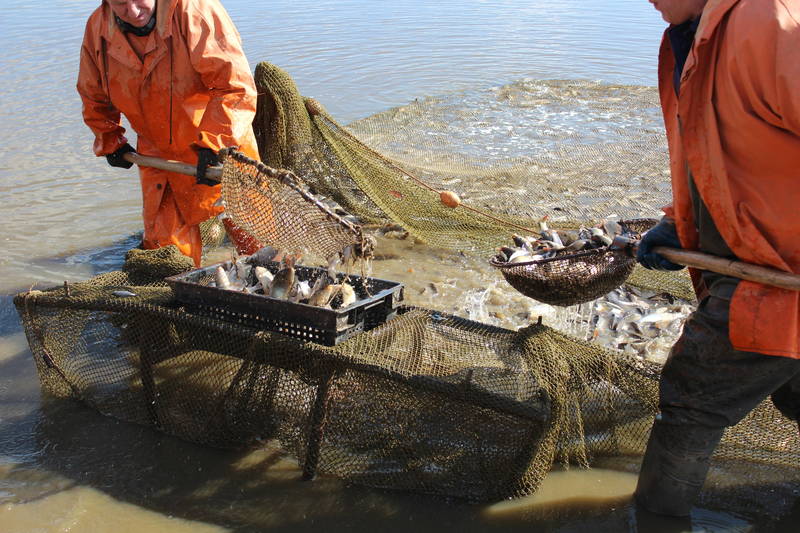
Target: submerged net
{"x": 427, "y": 402}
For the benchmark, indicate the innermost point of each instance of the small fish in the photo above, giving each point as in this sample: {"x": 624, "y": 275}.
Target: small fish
{"x": 568, "y": 236}
{"x": 348, "y": 295}
{"x": 602, "y": 239}
{"x": 661, "y": 319}
{"x": 508, "y": 251}
{"x": 123, "y": 294}
{"x": 612, "y": 227}
{"x": 264, "y": 277}
{"x": 320, "y": 283}
{"x": 521, "y": 256}
{"x": 301, "y": 291}
{"x": 553, "y": 238}
{"x": 522, "y": 242}
{"x": 283, "y": 282}
{"x": 240, "y": 270}
{"x": 221, "y": 278}
{"x": 576, "y": 245}
{"x": 323, "y": 297}
{"x": 264, "y": 255}
{"x": 333, "y": 263}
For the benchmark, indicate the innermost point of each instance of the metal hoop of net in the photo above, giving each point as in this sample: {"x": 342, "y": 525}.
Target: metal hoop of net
{"x": 573, "y": 278}
{"x": 277, "y": 208}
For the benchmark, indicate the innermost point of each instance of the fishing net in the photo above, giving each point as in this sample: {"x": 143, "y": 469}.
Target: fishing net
{"x": 275, "y": 207}
{"x": 426, "y": 402}
{"x": 570, "y": 152}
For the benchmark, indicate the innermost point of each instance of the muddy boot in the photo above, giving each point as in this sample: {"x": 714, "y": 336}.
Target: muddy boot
{"x": 674, "y": 467}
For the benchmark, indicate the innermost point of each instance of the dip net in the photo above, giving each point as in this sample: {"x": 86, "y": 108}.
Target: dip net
{"x": 428, "y": 401}
{"x": 276, "y": 207}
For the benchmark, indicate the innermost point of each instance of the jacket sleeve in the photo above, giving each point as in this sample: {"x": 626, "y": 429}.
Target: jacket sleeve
{"x": 98, "y": 112}
{"x": 216, "y": 54}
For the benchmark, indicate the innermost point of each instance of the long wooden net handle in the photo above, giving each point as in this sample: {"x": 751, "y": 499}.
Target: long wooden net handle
{"x": 213, "y": 173}
{"x": 728, "y": 267}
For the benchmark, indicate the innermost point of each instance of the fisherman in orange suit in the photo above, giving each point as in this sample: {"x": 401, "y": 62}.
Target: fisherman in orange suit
{"x": 176, "y": 70}
{"x": 729, "y": 81}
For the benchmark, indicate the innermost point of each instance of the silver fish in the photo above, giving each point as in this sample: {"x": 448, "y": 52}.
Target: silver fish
{"x": 123, "y": 294}
{"x": 221, "y": 278}
{"x": 301, "y": 291}
{"x": 612, "y": 227}
{"x": 333, "y": 263}
{"x": 240, "y": 270}
{"x": 348, "y": 295}
{"x": 576, "y": 245}
{"x": 521, "y": 256}
{"x": 660, "y": 318}
{"x": 264, "y": 277}
{"x": 323, "y": 297}
{"x": 320, "y": 283}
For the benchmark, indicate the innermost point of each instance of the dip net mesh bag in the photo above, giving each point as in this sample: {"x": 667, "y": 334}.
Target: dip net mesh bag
{"x": 572, "y": 278}
{"x": 426, "y": 402}
{"x": 275, "y": 207}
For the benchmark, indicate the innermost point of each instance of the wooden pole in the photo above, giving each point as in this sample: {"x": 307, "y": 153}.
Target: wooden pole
{"x": 213, "y": 173}
{"x": 728, "y": 267}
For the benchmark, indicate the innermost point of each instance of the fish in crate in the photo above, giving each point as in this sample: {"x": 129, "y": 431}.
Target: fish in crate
{"x": 317, "y": 304}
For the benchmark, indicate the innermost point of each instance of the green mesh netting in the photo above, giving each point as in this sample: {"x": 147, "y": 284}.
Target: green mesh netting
{"x": 428, "y": 401}
{"x": 572, "y": 180}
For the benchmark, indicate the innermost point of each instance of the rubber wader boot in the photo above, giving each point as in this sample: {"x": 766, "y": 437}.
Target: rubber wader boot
{"x": 674, "y": 467}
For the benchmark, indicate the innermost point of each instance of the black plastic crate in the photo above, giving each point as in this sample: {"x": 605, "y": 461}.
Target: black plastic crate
{"x": 377, "y": 301}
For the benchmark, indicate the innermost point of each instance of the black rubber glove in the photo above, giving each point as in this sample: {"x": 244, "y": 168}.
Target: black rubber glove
{"x": 662, "y": 234}
{"x": 115, "y": 159}
{"x": 206, "y": 157}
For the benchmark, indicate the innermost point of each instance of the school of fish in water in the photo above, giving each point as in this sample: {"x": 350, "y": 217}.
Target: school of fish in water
{"x": 638, "y": 322}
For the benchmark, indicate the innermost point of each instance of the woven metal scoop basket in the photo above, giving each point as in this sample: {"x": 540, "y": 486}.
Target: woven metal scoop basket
{"x": 573, "y": 278}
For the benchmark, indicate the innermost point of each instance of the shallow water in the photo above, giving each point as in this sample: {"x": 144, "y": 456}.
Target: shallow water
{"x": 64, "y": 467}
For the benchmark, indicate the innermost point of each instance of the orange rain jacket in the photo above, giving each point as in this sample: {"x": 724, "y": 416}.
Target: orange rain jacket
{"x": 191, "y": 89}
{"x": 739, "y": 132}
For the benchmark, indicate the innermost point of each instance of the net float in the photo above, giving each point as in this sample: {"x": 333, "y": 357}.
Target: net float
{"x": 449, "y": 199}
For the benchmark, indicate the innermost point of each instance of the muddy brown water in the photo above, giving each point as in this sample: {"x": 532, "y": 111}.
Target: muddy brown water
{"x": 64, "y": 467}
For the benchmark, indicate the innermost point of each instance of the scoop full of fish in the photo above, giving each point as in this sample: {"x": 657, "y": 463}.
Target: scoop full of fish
{"x": 552, "y": 243}
{"x": 247, "y": 276}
